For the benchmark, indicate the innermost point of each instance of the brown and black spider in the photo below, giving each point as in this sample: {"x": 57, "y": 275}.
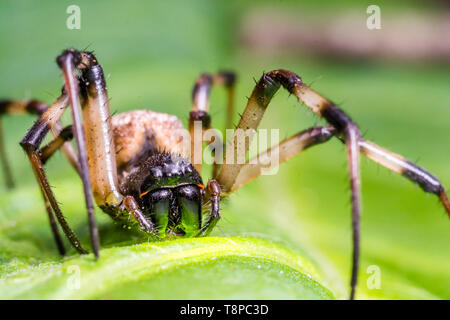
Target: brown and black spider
{"x": 141, "y": 175}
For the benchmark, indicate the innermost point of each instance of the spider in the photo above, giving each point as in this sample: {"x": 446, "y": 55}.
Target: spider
{"x": 137, "y": 171}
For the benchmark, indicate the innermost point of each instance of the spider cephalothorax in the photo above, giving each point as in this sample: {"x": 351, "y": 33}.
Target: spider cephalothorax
{"x": 169, "y": 191}
{"x": 120, "y": 163}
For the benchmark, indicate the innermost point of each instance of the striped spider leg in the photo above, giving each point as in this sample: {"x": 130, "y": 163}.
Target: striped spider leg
{"x": 232, "y": 176}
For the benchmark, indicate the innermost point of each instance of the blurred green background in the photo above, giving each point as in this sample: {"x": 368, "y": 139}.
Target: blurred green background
{"x": 152, "y": 52}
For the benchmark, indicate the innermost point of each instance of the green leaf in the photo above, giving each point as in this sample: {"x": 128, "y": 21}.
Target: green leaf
{"x": 216, "y": 268}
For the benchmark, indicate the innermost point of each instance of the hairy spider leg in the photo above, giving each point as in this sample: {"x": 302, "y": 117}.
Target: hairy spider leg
{"x": 285, "y": 150}
{"x": 30, "y": 143}
{"x": 258, "y": 102}
{"x": 394, "y": 162}
{"x": 96, "y": 140}
{"x": 347, "y": 131}
{"x": 68, "y": 62}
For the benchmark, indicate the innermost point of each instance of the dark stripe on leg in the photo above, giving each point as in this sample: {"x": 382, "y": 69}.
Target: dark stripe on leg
{"x": 336, "y": 117}
{"x": 202, "y": 116}
{"x": 20, "y": 107}
{"x": 424, "y": 179}
{"x": 427, "y": 181}
{"x": 36, "y": 134}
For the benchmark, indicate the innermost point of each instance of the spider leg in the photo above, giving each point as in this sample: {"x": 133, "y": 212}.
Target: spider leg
{"x": 347, "y": 130}
{"x": 30, "y": 143}
{"x": 93, "y": 134}
{"x": 49, "y": 150}
{"x": 285, "y": 150}
{"x": 257, "y": 104}
{"x": 15, "y": 107}
{"x": 394, "y": 162}
{"x": 200, "y": 108}
{"x": 53, "y": 224}
{"x": 66, "y": 147}
{"x": 94, "y": 137}
{"x": 32, "y": 107}
{"x": 213, "y": 194}
{"x": 44, "y": 154}
{"x": 68, "y": 61}
{"x": 350, "y": 131}
{"x": 98, "y": 131}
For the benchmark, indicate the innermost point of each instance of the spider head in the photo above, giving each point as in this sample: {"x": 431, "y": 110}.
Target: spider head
{"x": 170, "y": 193}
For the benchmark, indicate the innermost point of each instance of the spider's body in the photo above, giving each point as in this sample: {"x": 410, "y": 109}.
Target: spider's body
{"x": 154, "y": 169}
{"x": 142, "y": 169}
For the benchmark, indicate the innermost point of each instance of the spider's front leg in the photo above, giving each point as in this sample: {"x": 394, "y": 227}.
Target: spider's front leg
{"x": 93, "y": 134}
{"x": 233, "y": 175}
{"x": 99, "y": 146}
{"x": 31, "y": 143}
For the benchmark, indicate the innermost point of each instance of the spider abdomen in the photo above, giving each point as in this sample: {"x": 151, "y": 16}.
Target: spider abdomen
{"x": 136, "y": 133}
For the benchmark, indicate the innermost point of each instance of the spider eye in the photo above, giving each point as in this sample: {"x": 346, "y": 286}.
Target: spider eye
{"x": 189, "y": 202}
{"x": 160, "y": 201}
